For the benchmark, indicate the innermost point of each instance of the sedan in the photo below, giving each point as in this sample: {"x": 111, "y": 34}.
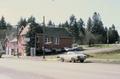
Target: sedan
{"x": 73, "y": 56}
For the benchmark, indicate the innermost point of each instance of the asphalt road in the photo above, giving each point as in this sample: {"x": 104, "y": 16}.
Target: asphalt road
{"x": 29, "y": 69}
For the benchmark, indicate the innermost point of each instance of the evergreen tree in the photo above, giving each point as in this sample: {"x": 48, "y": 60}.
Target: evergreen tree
{"x": 89, "y": 25}
{"x": 72, "y": 20}
{"x": 113, "y": 34}
{"x": 89, "y": 37}
{"x": 73, "y": 28}
{"x": 66, "y": 26}
{"x": 81, "y": 26}
{"x": 50, "y": 23}
{"x": 98, "y": 28}
{"x": 31, "y": 19}
{"x": 22, "y": 22}
{"x": 33, "y": 30}
{"x": 81, "y": 29}
{"x": 3, "y": 23}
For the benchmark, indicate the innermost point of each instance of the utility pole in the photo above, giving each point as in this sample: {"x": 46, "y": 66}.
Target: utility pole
{"x": 107, "y": 37}
{"x": 35, "y": 45}
{"x": 43, "y": 47}
{"x": 17, "y": 41}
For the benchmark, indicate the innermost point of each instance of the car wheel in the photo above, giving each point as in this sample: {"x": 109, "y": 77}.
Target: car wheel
{"x": 81, "y": 61}
{"x": 73, "y": 60}
{"x": 62, "y": 59}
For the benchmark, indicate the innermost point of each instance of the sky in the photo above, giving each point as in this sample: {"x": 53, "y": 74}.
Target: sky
{"x": 60, "y": 10}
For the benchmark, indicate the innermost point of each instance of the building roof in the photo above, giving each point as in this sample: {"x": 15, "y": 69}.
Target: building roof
{"x": 14, "y": 40}
{"x": 50, "y": 31}
{"x": 55, "y": 31}
{"x": 25, "y": 30}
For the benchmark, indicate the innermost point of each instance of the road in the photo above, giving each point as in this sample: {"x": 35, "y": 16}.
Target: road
{"x": 31, "y": 69}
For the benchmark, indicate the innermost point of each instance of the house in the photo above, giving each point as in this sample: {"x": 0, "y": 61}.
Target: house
{"x": 10, "y": 46}
{"x": 22, "y": 40}
{"x": 54, "y": 38}
{"x": 16, "y": 43}
{"x": 9, "y": 42}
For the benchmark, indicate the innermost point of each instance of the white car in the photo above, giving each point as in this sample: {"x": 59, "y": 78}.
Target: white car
{"x": 73, "y": 56}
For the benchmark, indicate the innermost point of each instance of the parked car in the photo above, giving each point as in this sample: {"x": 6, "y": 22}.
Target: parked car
{"x": 1, "y": 53}
{"x": 74, "y": 49}
{"x": 73, "y": 56}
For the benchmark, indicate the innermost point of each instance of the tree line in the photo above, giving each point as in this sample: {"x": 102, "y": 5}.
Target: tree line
{"x": 5, "y": 28}
{"x": 93, "y": 32}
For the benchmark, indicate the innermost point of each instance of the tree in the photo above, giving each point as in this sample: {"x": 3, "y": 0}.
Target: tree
{"x": 90, "y": 38}
{"x": 34, "y": 29}
{"x": 65, "y": 25}
{"x": 50, "y": 23}
{"x": 75, "y": 32}
{"x": 113, "y": 34}
{"x": 81, "y": 29}
{"x": 81, "y": 26}
{"x": 98, "y": 28}
{"x": 72, "y": 20}
{"x": 73, "y": 28}
{"x": 22, "y": 22}
{"x": 5, "y": 28}
{"x": 3, "y": 23}
{"x": 31, "y": 19}
{"x": 89, "y": 25}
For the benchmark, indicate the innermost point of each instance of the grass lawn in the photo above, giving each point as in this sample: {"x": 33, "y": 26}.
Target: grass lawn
{"x": 99, "y": 45}
{"x": 103, "y": 45}
{"x": 107, "y": 55}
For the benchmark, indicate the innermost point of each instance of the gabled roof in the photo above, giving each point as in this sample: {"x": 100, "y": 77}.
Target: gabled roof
{"x": 25, "y": 30}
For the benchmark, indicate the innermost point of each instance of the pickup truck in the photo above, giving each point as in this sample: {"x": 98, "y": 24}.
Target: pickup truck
{"x": 73, "y": 56}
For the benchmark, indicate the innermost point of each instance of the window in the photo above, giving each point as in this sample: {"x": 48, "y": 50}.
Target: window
{"x": 38, "y": 39}
{"x": 57, "y": 40}
{"x": 48, "y": 40}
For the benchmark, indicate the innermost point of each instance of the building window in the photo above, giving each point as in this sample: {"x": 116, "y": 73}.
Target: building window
{"x": 57, "y": 40}
{"x": 38, "y": 39}
{"x": 48, "y": 40}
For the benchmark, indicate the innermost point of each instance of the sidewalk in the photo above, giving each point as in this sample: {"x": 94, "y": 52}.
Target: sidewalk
{"x": 34, "y": 58}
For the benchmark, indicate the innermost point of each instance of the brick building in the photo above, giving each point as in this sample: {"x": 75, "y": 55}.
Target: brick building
{"x": 54, "y": 38}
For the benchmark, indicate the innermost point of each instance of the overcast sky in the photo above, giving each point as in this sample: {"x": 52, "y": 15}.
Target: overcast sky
{"x": 60, "y": 10}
